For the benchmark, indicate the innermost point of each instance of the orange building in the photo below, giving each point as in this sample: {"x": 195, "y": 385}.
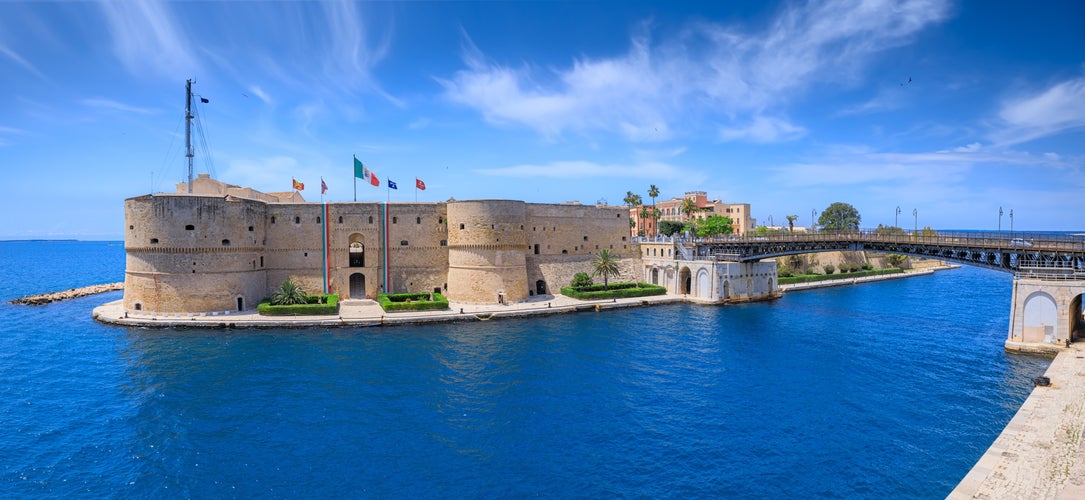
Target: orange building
{"x": 671, "y": 210}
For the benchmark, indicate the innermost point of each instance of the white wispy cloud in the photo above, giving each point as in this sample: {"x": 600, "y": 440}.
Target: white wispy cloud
{"x": 147, "y": 39}
{"x": 706, "y": 71}
{"x": 258, "y": 92}
{"x": 116, "y": 106}
{"x": 1058, "y": 108}
{"x": 763, "y": 130}
{"x": 11, "y": 54}
{"x": 588, "y": 169}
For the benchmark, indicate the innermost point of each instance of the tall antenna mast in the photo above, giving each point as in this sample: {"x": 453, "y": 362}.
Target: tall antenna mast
{"x": 188, "y": 131}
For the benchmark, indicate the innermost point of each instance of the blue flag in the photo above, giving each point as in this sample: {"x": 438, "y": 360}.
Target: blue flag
{"x": 391, "y": 185}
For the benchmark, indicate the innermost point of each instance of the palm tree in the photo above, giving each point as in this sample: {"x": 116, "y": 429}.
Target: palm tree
{"x": 605, "y": 264}
{"x": 288, "y": 294}
{"x": 689, "y": 207}
{"x": 645, "y": 213}
{"x": 633, "y": 200}
{"x": 653, "y": 191}
{"x": 791, "y": 222}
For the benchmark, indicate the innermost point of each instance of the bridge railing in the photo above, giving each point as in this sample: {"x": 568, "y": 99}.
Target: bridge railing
{"x": 995, "y": 240}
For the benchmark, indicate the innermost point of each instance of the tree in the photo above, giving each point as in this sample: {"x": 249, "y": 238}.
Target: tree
{"x": 714, "y": 225}
{"x": 645, "y": 213}
{"x": 653, "y": 192}
{"x": 288, "y": 294}
{"x": 605, "y": 264}
{"x": 631, "y": 199}
{"x": 839, "y": 217}
{"x": 689, "y": 207}
{"x": 888, "y": 230}
{"x": 671, "y": 227}
{"x": 791, "y": 222}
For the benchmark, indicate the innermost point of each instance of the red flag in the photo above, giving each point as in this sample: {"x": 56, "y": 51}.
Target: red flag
{"x": 419, "y": 184}
{"x": 373, "y": 179}
{"x": 300, "y": 186}
{"x": 323, "y": 187}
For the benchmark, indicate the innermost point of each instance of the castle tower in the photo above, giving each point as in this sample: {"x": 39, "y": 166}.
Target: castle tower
{"x": 487, "y": 249}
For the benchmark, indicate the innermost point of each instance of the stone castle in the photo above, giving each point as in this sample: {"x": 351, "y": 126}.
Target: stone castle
{"x": 225, "y": 248}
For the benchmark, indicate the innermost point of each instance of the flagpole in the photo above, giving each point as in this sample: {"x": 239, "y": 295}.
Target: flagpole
{"x": 355, "y": 181}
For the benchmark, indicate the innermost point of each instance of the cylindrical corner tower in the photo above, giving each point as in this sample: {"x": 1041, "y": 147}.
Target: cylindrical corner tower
{"x": 487, "y": 251}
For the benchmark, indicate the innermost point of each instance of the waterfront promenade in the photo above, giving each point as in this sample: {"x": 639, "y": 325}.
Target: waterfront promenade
{"x": 1040, "y": 453}
{"x": 369, "y": 313}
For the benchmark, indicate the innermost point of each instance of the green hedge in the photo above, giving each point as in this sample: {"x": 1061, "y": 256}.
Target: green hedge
{"x": 412, "y": 302}
{"x": 810, "y": 278}
{"x": 617, "y": 291}
{"x": 318, "y": 305}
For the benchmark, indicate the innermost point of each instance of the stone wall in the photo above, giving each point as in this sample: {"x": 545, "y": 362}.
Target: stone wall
{"x": 195, "y": 253}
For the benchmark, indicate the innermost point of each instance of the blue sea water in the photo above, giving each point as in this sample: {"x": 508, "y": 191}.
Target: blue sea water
{"x": 884, "y": 390}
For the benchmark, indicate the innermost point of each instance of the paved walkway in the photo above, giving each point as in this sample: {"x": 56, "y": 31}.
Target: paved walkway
{"x": 1040, "y": 453}
{"x": 369, "y": 313}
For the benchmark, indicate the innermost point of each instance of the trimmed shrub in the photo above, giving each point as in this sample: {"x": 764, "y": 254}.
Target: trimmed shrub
{"x": 315, "y": 305}
{"x": 784, "y": 272}
{"x": 829, "y": 269}
{"x": 617, "y": 291}
{"x": 581, "y": 280}
{"x": 412, "y": 302}
{"x": 825, "y": 277}
{"x": 866, "y": 266}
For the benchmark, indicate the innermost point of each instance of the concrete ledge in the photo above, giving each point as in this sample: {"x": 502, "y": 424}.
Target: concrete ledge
{"x": 1040, "y": 453}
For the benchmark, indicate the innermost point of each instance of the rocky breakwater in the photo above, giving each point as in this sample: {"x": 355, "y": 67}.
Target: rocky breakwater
{"x": 45, "y": 298}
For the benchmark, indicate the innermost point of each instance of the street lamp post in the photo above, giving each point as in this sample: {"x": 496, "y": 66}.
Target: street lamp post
{"x": 1011, "y": 223}
{"x": 915, "y": 213}
{"x": 813, "y": 222}
{"x": 896, "y": 218}
{"x": 999, "y": 222}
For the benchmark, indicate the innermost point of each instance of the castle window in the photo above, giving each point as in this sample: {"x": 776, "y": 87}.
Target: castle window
{"x": 154, "y": 241}
{"x": 536, "y": 249}
{"x": 444, "y": 243}
{"x": 440, "y": 220}
{"x": 272, "y": 219}
{"x": 225, "y": 243}
{"x": 306, "y": 254}
{"x": 261, "y": 261}
{"x": 623, "y": 238}
{"x": 395, "y": 220}
{"x": 461, "y": 226}
{"x": 189, "y": 227}
{"x": 297, "y": 220}
{"x": 370, "y": 219}
{"x": 597, "y": 247}
{"x": 563, "y": 252}
{"x": 340, "y": 219}
{"x": 131, "y": 227}
{"x": 585, "y": 238}
{"x": 318, "y": 220}
{"x": 521, "y": 227}
{"x": 619, "y": 216}
{"x": 417, "y": 220}
{"x": 403, "y": 243}
{"x": 250, "y": 229}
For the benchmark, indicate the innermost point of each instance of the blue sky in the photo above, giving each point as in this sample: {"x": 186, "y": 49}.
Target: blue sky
{"x": 950, "y": 109}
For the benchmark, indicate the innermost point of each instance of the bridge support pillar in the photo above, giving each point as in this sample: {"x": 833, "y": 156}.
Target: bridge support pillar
{"x": 1045, "y": 314}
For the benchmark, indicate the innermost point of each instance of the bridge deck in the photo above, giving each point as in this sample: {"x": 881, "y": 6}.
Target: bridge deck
{"x": 1047, "y": 256}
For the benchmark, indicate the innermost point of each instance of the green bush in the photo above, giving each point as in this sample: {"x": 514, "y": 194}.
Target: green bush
{"x": 617, "y": 291}
{"x": 866, "y": 266}
{"x": 784, "y": 272}
{"x": 829, "y": 269}
{"x": 581, "y": 280}
{"x": 825, "y": 277}
{"x": 315, "y": 305}
{"x": 412, "y": 302}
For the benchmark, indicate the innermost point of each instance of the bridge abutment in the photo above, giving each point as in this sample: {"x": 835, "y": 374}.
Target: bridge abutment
{"x": 1045, "y": 314}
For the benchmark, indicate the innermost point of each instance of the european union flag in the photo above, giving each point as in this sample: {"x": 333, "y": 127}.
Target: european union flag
{"x": 391, "y": 185}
